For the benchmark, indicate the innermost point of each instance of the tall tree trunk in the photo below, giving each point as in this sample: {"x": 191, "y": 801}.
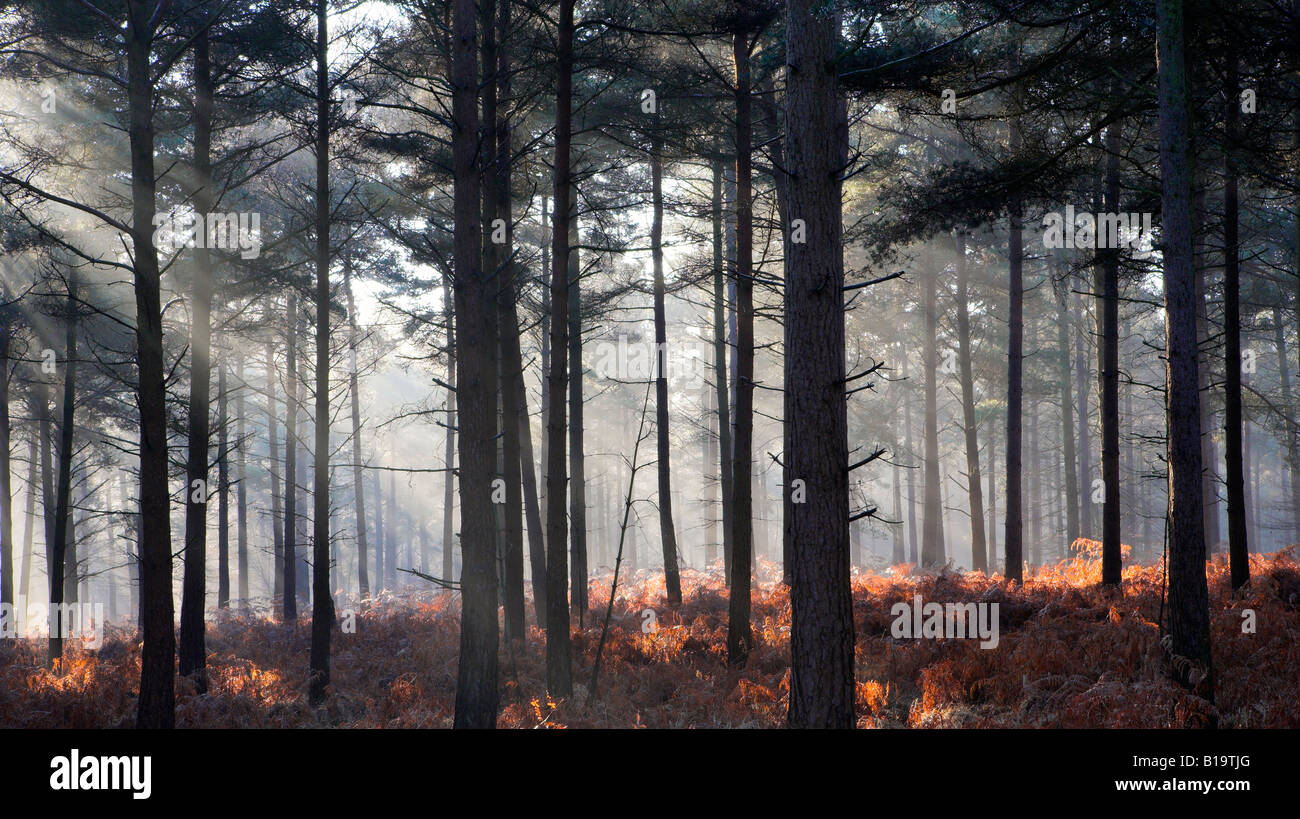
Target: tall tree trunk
{"x": 449, "y": 458}
{"x": 191, "y": 649}
{"x": 241, "y": 488}
{"x": 721, "y": 391}
{"x": 821, "y": 602}
{"x": 223, "y": 490}
{"x": 156, "y": 706}
{"x": 1205, "y": 373}
{"x": 667, "y": 530}
{"x": 391, "y": 532}
{"x": 1292, "y": 442}
{"x": 932, "y": 547}
{"x": 476, "y": 378}
{"x": 1108, "y": 312}
{"x": 1238, "y": 549}
{"x": 289, "y": 604}
{"x": 993, "y": 499}
{"x": 559, "y": 676}
{"x": 381, "y": 579}
{"x": 512, "y": 382}
{"x": 29, "y": 513}
{"x": 1082, "y": 382}
{"x": 63, "y": 486}
{"x": 1013, "y": 541}
{"x": 273, "y": 459}
{"x": 740, "y": 638}
{"x": 6, "y": 477}
{"x": 322, "y": 612}
{"x": 577, "y": 454}
{"x": 545, "y": 333}
{"x": 1067, "y": 410}
{"x": 358, "y": 471}
{"x": 913, "y": 556}
{"x": 1293, "y": 439}
{"x": 1189, "y": 614}
{"x": 975, "y": 491}
{"x": 1034, "y": 480}
{"x": 898, "y": 556}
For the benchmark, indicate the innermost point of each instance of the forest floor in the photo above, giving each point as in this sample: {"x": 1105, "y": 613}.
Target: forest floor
{"x": 1068, "y": 656}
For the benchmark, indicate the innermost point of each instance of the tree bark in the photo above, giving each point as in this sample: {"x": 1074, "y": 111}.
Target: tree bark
{"x": 289, "y": 603}
{"x": 740, "y": 638}
{"x": 512, "y": 382}
{"x": 721, "y": 390}
{"x": 1189, "y": 617}
{"x": 241, "y": 488}
{"x": 577, "y": 454}
{"x": 223, "y": 491}
{"x": 1108, "y": 371}
{"x": 932, "y": 547}
{"x": 975, "y": 491}
{"x": 476, "y": 379}
{"x": 6, "y": 477}
{"x": 358, "y": 471}
{"x": 191, "y": 649}
{"x": 667, "y": 530}
{"x": 1071, "y": 476}
{"x": 1238, "y": 543}
{"x": 1013, "y": 571}
{"x": 559, "y": 677}
{"x": 322, "y": 612}
{"x": 63, "y": 484}
{"x": 449, "y": 458}
{"x": 821, "y": 602}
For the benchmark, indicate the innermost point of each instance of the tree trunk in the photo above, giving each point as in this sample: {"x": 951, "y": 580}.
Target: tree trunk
{"x": 391, "y": 531}
{"x": 1013, "y": 571}
{"x": 273, "y": 457}
{"x": 512, "y": 382}
{"x": 1108, "y": 309}
{"x": 913, "y": 556}
{"x": 449, "y": 458}
{"x": 1292, "y": 448}
{"x": 476, "y": 379}
{"x": 358, "y": 472}
{"x": 241, "y": 488}
{"x": 1082, "y": 380}
{"x": 975, "y": 491}
{"x": 156, "y": 706}
{"x": 6, "y": 486}
{"x": 559, "y": 677}
{"x": 1189, "y": 616}
{"x": 223, "y": 491}
{"x": 1238, "y": 548}
{"x": 667, "y": 530}
{"x": 577, "y": 455}
{"x": 191, "y": 649}
{"x": 821, "y": 602}
{"x": 932, "y": 547}
{"x": 740, "y": 638}
{"x": 322, "y": 612}
{"x": 721, "y": 391}
{"x": 289, "y": 604}
{"x": 63, "y": 487}
{"x": 381, "y": 579}
{"x": 1071, "y": 499}
{"x": 29, "y": 531}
